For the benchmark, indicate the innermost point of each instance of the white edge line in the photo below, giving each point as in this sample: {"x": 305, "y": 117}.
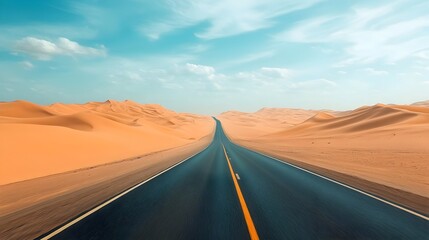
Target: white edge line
{"x": 238, "y": 177}
{"x": 116, "y": 197}
{"x": 339, "y": 183}
{"x": 352, "y": 188}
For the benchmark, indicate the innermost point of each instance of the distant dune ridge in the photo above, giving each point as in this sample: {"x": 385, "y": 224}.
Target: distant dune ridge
{"x": 42, "y": 140}
{"x": 270, "y": 122}
{"x": 422, "y": 103}
{"x": 266, "y": 120}
{"x": 386, "y": 144}
{"x": 369, "y": 119}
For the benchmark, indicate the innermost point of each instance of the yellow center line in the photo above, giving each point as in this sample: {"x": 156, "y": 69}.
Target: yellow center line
{"x": 247, "y": 217}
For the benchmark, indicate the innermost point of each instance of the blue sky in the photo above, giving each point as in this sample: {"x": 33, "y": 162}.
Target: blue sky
{"x": 212, "y": 56}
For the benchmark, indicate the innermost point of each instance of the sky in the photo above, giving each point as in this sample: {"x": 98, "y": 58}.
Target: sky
{"x": 212, "y": 56}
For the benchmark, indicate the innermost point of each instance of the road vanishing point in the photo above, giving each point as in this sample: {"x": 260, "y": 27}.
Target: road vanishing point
{"x": 230, "y": 192}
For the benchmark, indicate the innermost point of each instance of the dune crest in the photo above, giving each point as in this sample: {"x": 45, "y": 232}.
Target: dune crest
{"x": 263, "y": 121}
{"x": 22, "y": 109}
{"x": 383, "y": 143}
{"x": 320, "y": 117}
{"x": 421, "y": 104}
{"x": 43, "y": 140}
{"x": 375, "y": 118}
{"x": 379, "y": 118}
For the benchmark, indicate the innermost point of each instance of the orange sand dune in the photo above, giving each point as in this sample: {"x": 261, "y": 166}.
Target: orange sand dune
{"x": 38, "y": 140}
{"x": 385, "y": 144}
{"x": 22, "y": 109}
{"x": 363, "y": 120}
{"x": 421, "y": 104}
{"x": 262, "y": 122}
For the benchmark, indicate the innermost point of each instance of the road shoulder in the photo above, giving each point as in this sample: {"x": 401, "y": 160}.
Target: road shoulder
{"x": 409, "y": 200}
{"x": 31, "y": 208}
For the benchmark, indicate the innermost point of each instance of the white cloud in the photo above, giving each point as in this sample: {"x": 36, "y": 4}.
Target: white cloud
{"x": 225, "y": 18}
{"x": 265, "y": 76}
{"x": 314, "y": 84}
{"x": 375, "y": 72}
{"x": 27, "y": 65}
{"x": 38, "y": 48}
{"x": 198, "y": 48}
{"x": 269, "y": 78}
{"x": 168, "y": 72}
{"x": 423, "y": 54}
{"x": 250, "y": 58}
{"x": 12, "y": 32}
{"x": 134, "y": 76}
{"x": 281, "y": 79}
{"x": 200, "y": 69}
{"x": 276, "y": 72}
{"x": 45, "y": 50}
{"x": 155, "y": 30}
{"x": 188, "y": 75}
{"x": 389, "y": 32}
{"x": 73, "y": 48}
{"x": 181, "y": 74}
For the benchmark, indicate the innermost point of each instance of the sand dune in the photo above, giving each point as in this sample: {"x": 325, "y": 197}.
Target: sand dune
{"x": 262, "y": 122}
{"x": 421, "y": 104}
{"x": 369, "y": 119}
{"x": 385, "y": 144}
{"x": 22, "y": 109}
{"x": 43, "y": 140}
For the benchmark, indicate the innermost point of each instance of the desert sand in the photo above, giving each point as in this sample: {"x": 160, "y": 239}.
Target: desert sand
{"x": 39, "y": 140}
{"x": 243, "y": 125}
{"x": 33, "y": 207}
{"x": 74, "y": 156}
{"x": 382, "y": 144}
{"x": 421, "y": 104}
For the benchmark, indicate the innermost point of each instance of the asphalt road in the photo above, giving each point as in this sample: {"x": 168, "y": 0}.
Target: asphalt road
{"x": 200, "y": 199}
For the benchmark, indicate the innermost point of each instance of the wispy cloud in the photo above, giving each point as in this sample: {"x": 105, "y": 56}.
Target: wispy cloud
{"x": 204, "y": 49}
{"x": 45, "y": 50}
{"x": 10, "y": 33}
{"x": 225, "y": 18}
{"x": 423, "y": 54}
{"x": 27, "y": 65}
{"x": 200, "y": 69}
{"x": 197, "y": 48}
{"x": 154, "y": 31}
{"x": 276, "y": 72}
{"x": 281, "y": 80}
{"x": 176, "y": 73}
{"x": 386, "y": 32}
{"x": 250, "y": 58}
{"x": 315, "y": 84}
{"x": 375, "y": 72}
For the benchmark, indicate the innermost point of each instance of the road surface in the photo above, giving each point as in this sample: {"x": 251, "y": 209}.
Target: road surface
{"x": 229, "y": 192}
